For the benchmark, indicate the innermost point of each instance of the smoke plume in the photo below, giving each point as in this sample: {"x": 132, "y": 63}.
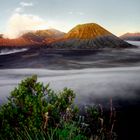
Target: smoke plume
{"x": 21, "y": 23}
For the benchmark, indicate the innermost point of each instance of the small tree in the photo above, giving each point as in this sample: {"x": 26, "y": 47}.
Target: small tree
{"x": 31, "y": 104}
{"x": 37, "y": 112}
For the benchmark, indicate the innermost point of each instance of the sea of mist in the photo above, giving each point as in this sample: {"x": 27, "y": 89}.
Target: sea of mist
{"x": 95, "y": 78}
{"x": 91, "y": 83}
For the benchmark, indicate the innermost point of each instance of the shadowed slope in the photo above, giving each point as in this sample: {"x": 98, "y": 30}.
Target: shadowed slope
{"x": 89, "y": 36}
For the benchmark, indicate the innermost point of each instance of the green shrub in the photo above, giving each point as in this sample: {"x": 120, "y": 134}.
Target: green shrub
{"x": 36, "y": 112}
{"x": 30, "y": 104}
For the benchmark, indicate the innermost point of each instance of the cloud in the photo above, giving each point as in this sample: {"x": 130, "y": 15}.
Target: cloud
{"x": 70, "y": 12}
{"x": 26, "y": 4}
{"x": 18, "y": 10}
{"x": 22, "y": 6}
{"x": 80, "y": 13}
{"x": 76, "y": 13}
{"x": 21, "y": 23}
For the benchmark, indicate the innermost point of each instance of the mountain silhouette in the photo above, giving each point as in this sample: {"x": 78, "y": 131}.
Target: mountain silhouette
{"x": 32, "y": 38}
{"x": 83, "y": 36}
{"x": 89, "y": 36}
{"x": 41, "y": 36}
{"x": 87, "y": 31}
{"x": 1, "y": 35}
{"x": 131, "y": 36}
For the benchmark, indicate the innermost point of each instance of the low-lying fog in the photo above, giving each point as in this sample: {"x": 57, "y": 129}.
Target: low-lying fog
{"x": 89, "y": 84}
{"x": 94, "y": 76}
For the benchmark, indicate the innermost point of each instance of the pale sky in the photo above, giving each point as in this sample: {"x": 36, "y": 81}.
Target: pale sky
{"x": 117, "y": 16}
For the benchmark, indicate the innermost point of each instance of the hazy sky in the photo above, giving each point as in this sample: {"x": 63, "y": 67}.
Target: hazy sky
{"x": 118, "y": 16}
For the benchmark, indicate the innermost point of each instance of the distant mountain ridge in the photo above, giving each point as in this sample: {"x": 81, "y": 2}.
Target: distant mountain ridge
{"x": 33, "y": 38}
{"x": 131, "y": 36}
{"x": 1, "y": 35}
{"x": 18, "y": 42}
{"x": 89, "y": 36}
{"x": 83, "y": 36}
{"x": 43, "y": 35}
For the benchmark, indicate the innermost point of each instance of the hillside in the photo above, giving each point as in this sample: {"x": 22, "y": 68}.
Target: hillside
{"x": 131, "y": 36}
{"x": 18, "y": 42}
{"x": 34, "y": 38}
{"x": 41, "y": 36}
{"x": 87, "y": 31}
{"x": 83, "y": 36}
{"x": 89, "y": 36}
{"x": 1, "y": 35}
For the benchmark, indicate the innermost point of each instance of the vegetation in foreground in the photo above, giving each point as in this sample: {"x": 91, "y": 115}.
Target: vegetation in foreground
{"x": 36, "y": 112}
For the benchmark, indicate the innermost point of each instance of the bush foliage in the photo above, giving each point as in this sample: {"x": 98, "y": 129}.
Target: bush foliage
{"x": 35, "y": 111}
